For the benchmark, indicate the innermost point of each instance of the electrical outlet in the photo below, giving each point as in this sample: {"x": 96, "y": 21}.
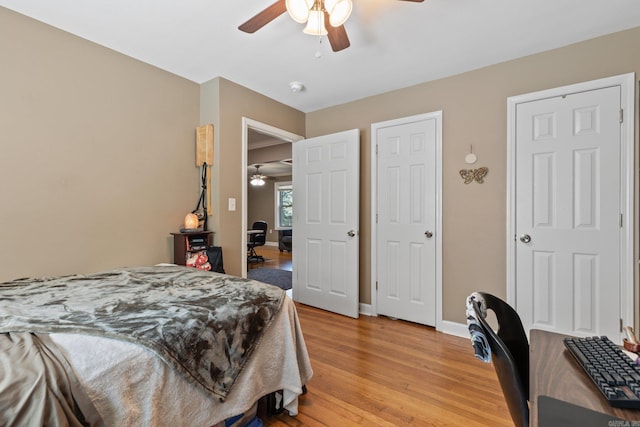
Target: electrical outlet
{"x": 232, "y": 204}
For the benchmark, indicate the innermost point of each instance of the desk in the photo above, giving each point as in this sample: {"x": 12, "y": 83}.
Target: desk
{"x": 554, "y": 373}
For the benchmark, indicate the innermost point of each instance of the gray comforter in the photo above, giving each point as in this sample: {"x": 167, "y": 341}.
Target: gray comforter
{"x": 204, "y": 324}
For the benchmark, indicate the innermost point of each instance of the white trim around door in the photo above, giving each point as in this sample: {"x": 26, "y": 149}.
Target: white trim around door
{"x": 268, "y": 130}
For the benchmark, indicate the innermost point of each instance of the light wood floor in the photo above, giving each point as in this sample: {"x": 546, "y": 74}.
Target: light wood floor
{"x": 273, "y": 258}
{"x": 375, "y": 371}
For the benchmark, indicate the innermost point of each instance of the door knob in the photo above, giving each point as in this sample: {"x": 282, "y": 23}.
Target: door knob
{"x": 428, "y": 234}
{"x": 351, "y": 233}
{"x": 525, "y": 238}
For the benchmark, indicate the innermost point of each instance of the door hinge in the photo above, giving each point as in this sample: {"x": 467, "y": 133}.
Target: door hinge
{"x": 377, "y": 288}
{"x": 621, "y": 115}
{"x": 621, "y": 325}
{"x": 621, "y": 221}
{"x": 376, "y": 218}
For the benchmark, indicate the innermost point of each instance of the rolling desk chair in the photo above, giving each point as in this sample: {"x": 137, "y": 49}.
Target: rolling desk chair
{"x": 509, "y": 353}
{"x": 257, "y": 239}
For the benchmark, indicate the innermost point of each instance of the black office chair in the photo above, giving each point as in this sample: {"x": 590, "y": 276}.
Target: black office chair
{"x": 509, "y": 353}
{"x": 255, "y": 240}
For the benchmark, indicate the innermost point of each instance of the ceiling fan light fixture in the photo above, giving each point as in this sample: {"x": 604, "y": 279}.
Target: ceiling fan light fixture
{"x": 339, "y": 11}
{"x": 256, "y": 180}
{"x": 299, "y": 9}
{"x": 315, "y": 24}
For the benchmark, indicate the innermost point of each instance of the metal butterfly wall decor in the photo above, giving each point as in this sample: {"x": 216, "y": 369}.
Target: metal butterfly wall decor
{"x": 469, "y": 175}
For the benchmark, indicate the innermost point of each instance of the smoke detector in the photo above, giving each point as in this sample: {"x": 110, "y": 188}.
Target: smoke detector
{"x": 296, "y": 87}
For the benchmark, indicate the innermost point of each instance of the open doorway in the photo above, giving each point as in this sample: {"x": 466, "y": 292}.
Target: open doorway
{"x": 267, "y": 155}
{"x": 269, "y": 202}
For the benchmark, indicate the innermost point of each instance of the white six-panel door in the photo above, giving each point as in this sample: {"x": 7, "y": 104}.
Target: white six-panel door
{"x": 326, "y": 217}
{"x": 568, "y": 220}
{"x": 407, "y": 215}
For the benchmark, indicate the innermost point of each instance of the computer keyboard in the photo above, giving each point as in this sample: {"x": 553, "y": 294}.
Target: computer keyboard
{"x": 613, "y": 372}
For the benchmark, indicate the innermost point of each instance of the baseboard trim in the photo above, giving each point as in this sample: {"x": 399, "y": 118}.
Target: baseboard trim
{"x": 454, "y": 328}
{"x": 447, "y": 327}
{"x": 366, "y": 309}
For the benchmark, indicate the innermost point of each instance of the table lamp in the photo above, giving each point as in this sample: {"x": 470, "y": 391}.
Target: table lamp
{"x": 191, "y": 222}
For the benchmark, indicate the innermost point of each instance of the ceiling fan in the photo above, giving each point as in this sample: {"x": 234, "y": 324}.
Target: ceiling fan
{"x": 316, "y": 13}
{"x": 257, "y": 178}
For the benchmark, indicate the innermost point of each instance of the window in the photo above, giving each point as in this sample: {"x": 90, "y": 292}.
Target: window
{"x": 284, "y": 205}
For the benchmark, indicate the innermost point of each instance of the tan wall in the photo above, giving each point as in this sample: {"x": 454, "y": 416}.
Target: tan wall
{"x": 474, "y": 112}
{"x": 210, "y": 113}
{"x": 96, "y": 154}
{"x": 237, "y": 102}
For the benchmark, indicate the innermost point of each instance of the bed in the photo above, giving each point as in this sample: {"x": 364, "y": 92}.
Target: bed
{"x": 224, "y": 342}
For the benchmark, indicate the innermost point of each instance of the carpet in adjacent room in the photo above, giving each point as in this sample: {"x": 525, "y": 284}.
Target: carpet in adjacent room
{"x": 273, "y": 276}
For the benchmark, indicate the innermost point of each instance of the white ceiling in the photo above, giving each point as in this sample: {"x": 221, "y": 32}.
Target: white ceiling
{"x": 394, "y": 43}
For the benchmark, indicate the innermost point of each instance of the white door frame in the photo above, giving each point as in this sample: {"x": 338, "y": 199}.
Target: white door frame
{"x": 627, "y": 154}
{"x": 437, "y": 115}
{"x": 269, "y": 130}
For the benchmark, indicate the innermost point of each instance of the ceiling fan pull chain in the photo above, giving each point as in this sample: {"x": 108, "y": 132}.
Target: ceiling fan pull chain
{"x": 318, "y": 53}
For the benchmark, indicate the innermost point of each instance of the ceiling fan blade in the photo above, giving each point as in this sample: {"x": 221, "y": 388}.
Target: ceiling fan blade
{"x": 264, "y": 17}
{"x": 337, "y": 35}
